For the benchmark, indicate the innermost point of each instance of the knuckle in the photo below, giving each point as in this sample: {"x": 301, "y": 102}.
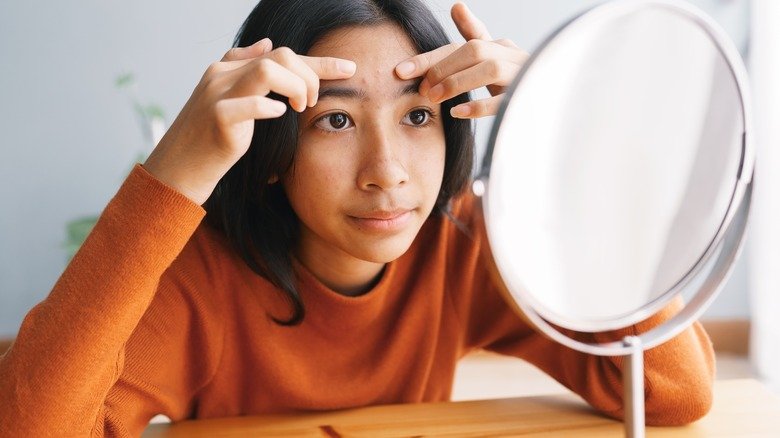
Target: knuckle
{"x": 493, "y": 68}
{"x": 209, "y": 85}
{"x": 232, "y": 53}
{"x": 309, "y": 75}
{"x": 506, "y": 42}
{"x": 435, "y": 73}
{"x": 454, "y": 47}
{"x": 257, "y": 103}
{"x": 451, "y": 85}
{"x": 300, "y": 86}
{"x": 477, "y": 49}
{"x": 285, "y": 53}
{"x": 220, "y": 115}
{"x": 523, "y": 56}
{"x": 262, "y": 68}
{"x": 478, "y": 108}
{"x": 424, "y": 62}
{"x": 310, "y": 90}
{"x": 211, "y": 70}
{"x": 328, "y": 65}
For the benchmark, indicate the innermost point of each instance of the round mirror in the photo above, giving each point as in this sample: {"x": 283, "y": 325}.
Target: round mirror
{"x": 616, "y": 165}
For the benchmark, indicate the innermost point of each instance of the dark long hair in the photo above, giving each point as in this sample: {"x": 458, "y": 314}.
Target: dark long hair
{"x": 255, "y": 216}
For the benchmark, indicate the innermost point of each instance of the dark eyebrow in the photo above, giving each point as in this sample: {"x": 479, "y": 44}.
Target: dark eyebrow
{"x": 341, "y": 92}
{"x": 360, "y": 94}
{"x": 411, "y": 88}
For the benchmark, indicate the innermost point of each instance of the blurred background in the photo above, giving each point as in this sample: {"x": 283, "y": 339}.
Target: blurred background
{"x": 88, "y": 86}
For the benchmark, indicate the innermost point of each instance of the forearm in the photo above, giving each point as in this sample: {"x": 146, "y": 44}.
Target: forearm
{"x": 67, "y": 354}
{"x": 678, "y": 374}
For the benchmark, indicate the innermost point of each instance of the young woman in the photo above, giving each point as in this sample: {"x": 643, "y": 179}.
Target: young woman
{"x": 340, "y": 263}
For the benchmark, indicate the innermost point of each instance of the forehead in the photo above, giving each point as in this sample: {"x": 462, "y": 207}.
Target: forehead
{"x": 376, "y": 50}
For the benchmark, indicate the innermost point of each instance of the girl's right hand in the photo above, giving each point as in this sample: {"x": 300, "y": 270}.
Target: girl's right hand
{"x": 215, "y": 127}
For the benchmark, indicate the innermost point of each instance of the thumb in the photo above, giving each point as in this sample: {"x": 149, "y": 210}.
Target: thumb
{"x": 471, "y": 27}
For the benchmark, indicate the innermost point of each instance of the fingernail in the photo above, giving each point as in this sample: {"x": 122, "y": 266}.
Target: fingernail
{"x": 346, "y": 67}
{"x": 435, "y": 93}
{"x": 405, "y": 69}
{"x": 460, "y": 111}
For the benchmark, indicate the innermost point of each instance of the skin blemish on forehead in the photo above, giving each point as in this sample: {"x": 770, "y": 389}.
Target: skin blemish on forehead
{"x": 379, "y": 48}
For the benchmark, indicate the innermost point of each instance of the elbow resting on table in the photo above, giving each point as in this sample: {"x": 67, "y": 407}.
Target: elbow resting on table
{"x": 677, "y": 405}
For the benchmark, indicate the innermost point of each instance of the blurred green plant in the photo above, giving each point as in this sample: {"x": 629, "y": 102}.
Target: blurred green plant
{"x": 151, "y": 119}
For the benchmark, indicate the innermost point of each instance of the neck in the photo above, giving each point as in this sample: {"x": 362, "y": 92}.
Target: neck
{"x": 342, "y": 273}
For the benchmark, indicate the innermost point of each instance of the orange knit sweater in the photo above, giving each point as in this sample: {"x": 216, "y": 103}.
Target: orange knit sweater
{"x": 156, "y": 314}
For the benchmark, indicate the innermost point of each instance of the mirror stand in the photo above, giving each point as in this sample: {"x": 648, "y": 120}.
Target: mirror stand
{"x": 634, "y": 388}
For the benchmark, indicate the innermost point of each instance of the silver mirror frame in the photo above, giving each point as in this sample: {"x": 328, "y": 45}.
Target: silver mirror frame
{"x": 715, "y": 264}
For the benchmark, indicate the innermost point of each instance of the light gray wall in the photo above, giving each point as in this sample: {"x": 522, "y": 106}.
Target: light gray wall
{"x": 69, "y": 136}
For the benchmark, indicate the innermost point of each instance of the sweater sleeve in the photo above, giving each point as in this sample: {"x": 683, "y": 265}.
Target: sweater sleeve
{"x": 62, "y": 374}
{"x": 678, "y": 374}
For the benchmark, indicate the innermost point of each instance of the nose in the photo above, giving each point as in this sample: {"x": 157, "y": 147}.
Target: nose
{"x": 383, "y": 164}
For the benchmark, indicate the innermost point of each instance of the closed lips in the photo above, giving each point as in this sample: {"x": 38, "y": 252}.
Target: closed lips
{"x": 383, "y": 215}
{"x": 383, "y": 221}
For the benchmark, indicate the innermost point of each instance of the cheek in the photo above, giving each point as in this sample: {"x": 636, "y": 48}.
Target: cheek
{"x": 316, "y": 178}
{"x": 428, "y": 158}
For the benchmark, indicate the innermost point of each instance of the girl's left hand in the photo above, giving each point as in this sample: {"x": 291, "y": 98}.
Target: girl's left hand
{"x": 461, "y": 67}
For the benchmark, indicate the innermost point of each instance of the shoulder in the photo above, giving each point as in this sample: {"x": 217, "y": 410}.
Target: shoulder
{"x": 463, "y": 229}
{"x": 467, "y": 208}
{"x": 207, "y": 254}
{"x": 456, "y": 240}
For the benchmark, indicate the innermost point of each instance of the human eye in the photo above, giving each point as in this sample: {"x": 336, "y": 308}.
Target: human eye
{"x": 418, "y": 117}
{"x": 334, "y": 122}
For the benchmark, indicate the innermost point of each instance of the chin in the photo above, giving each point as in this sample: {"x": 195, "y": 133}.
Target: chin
{"x": 382, "y": 252}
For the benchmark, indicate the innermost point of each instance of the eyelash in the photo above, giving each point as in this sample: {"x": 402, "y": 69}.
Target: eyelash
{"x": 431, "y": 116}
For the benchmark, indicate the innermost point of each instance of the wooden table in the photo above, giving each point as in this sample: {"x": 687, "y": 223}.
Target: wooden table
{"x": 742, "y": 408}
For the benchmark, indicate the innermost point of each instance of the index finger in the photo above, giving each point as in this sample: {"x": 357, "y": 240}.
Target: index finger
{"x": 469, "y": 26}
{"x": 330, "y": 68}
{"x": 420, "y": 64}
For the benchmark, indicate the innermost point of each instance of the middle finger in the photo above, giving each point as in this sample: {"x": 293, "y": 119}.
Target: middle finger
{"x": 468, "y": 55}
{"x": 490, "y": 72}
{"x": 290, "y": 60}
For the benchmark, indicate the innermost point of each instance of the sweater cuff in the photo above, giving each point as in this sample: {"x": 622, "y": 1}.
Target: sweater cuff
{"x": 145, "y": 198}
{"x": 146, "y": 220}
{"x": 140, "y": 181}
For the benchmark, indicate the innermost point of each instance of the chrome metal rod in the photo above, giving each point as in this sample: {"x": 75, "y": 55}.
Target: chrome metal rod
{"x": 634, "y": 388}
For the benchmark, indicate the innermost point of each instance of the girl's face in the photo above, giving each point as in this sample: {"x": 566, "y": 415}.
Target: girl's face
{"x": 370, "y": 156}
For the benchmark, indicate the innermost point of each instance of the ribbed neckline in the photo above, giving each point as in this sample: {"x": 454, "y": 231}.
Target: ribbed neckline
{"x": 326, "y": 306}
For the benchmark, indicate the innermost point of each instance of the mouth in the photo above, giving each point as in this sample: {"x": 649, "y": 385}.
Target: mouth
{"x": 383, "y": 220}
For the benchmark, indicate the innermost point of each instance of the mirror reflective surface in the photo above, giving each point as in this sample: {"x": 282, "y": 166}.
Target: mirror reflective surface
{"x": 613, "y": 166}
